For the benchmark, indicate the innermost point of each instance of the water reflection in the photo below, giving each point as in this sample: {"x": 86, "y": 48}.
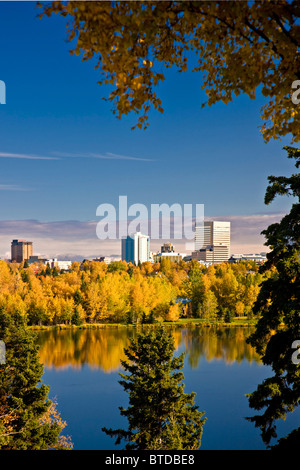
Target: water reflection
{"x": 99, "y": 348}
{"x": 218, "y": 343}
{"x": 104, "y": 348}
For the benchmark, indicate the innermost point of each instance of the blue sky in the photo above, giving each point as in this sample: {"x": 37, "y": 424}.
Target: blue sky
{"x": 55, "y": 122}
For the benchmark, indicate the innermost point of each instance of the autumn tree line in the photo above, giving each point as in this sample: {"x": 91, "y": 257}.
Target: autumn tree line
{"x": 94, "y": 292}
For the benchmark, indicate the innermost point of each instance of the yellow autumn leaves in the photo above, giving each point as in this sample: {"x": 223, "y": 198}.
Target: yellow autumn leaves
{"x": 238, "y": 47}
{"x": 94, "y": 292}
{"x": 103, "y": 348}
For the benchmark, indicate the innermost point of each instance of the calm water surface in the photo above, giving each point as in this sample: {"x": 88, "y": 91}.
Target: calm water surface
{"x": 81, "y": 368}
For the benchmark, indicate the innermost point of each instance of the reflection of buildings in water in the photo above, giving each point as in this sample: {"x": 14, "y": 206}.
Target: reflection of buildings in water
{"x": 104, "y": 348}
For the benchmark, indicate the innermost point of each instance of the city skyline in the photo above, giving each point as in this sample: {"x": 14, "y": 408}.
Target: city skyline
{"x": 208, "y": 235}
{"x": 63, "y": 153}
{"x": 75, "y": 240}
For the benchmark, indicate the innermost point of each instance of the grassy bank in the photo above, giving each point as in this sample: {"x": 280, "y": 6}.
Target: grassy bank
{"x": 182, "y": 322}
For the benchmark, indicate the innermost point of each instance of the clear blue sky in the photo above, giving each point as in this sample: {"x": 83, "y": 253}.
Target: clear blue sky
{"x": 212, "y": 156}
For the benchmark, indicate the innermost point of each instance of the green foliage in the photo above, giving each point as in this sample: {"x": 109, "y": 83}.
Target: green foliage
{"x": 278, "y": 307}
{"x": 23, "y": 398}
{"x": 116, "y": 266}
{"x": 48, "y": 270}
{"x": 76, "y": 318}
{"x": 194, "y": 288}
{"x": 227, "y": 316}
{"x": 160, "y": 415}
{"x": 77, "y": 297}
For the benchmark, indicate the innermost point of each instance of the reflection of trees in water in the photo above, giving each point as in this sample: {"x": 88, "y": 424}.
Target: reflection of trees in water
{"x": 99, "y": 348}
{"x": 226, "y": 344}
{"x": 104, "y": 348}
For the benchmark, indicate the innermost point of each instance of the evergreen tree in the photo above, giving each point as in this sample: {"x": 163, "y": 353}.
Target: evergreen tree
{"x": 76, "y": 318}
{"x": 55, "y": 271}
{"x": 194, "y": 289}
{"x": 77, "y": 297}
{"x": 227, "y": 316}
{"x": 48, "y": 270}
{"x": 160, "y": 415}
{"x": 23, "y": 398}
{"x": 278, "y": 307}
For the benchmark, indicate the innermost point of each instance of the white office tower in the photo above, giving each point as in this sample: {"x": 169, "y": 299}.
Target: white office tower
{"x": 212, "y": 242}
{"x": 136, "y": 248}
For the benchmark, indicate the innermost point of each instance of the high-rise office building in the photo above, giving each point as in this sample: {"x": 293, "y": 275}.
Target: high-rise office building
{"x": 136, "y": 248}
{"x": 212, "y": 242}
{"x": 21, "y": 250}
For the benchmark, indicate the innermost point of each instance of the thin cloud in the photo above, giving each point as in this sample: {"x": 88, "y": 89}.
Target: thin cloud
{"x": 106, "y": 156}
{"x": 58, "y": 230}
{"x": 78, "y": 238}
{"x": 114, "y": 156}
{"x": 59, "y": 155}
{"x": 12, "y": 187}
{"x": 25, "y": 156}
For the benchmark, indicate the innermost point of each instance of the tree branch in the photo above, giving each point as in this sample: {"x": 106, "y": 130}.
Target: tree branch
{"x": 263, "y": 36}
{"x": 286, "y": 32}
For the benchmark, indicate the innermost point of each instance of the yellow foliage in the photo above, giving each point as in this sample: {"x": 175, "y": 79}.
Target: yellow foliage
{"x": 173, "y": 313}
{"x": 102, "y": 293}
{"x": 238, "y": 47}
{"x": 52, "y": 416}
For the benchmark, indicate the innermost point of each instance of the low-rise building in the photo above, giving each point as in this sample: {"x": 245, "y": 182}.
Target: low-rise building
{"x": 172, "y": 256}
{"x": 37, "y": 259}
{"x": 258, "y": 257}
{"x": 61, "y": 264}
{"x": 103, "y": 259}
{"x": 212, "y": 255}
{"x": 53, "y": 262}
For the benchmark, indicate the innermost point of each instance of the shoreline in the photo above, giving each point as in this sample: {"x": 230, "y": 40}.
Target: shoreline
{"x": 190, "y": 322}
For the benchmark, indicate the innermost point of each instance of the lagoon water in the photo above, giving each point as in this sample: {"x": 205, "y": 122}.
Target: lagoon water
{"x": 82, "y": 367}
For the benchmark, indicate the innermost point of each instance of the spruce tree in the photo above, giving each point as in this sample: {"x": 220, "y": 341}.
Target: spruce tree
{"x": 278, "y": 311}
{"x": 160, "y": 415}
{"x": 23, "y": 398}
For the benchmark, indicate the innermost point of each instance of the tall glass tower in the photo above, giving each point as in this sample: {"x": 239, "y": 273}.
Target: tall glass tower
{"x": 136, "y": 248}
